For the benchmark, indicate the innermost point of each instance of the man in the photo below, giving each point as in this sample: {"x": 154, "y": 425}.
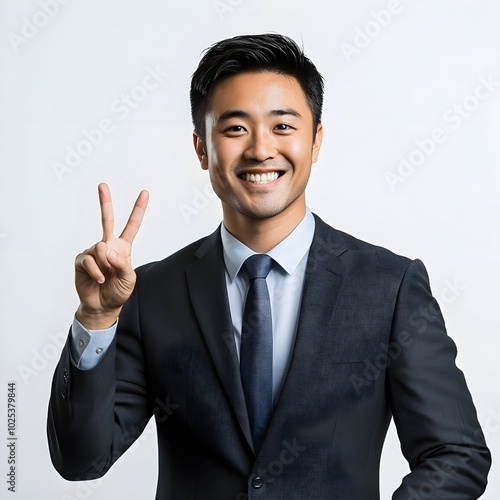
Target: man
{"x": 291, "y": 399}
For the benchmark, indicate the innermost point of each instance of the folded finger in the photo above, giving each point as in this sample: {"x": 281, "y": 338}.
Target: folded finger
{"x": 86, "y": 263}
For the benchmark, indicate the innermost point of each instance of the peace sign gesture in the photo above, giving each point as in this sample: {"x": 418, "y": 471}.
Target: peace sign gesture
{"x": 104, "y": 276}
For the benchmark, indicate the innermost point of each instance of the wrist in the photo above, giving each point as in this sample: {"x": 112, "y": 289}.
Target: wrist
{"x": 97, "y": 320}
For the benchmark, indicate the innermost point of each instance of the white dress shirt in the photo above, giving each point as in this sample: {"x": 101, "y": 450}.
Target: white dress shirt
{"x": 285, "y": 283}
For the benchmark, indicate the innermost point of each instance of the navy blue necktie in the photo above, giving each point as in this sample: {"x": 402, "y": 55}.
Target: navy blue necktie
{"x": 256, "y": 352}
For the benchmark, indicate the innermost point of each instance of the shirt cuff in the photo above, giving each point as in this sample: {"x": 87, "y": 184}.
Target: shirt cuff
{"x": 88, "y": 346}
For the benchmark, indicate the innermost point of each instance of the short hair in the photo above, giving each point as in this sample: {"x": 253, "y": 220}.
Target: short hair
{"x": 253, "y": 53}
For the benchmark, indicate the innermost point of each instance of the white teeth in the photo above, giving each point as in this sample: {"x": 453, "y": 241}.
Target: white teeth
{"x": 262, "y": 178}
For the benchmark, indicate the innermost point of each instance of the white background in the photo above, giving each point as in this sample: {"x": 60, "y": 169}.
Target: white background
{"x": 63, "y": 73}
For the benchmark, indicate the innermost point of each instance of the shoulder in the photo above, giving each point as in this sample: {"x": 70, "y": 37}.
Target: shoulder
{"x": 340, "y": 242}
{"x": 180, "y": 260}
{"x": 356, "y": 253}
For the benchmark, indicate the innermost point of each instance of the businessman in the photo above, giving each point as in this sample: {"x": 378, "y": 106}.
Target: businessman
{"x": 274, "y": 352}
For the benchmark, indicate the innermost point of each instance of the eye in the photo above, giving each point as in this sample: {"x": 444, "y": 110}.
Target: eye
{"x": 235, "y": 129}
{"x": 283, "y": 127}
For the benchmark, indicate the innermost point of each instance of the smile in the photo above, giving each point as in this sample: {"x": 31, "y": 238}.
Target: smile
{"x": 261, "y": 178}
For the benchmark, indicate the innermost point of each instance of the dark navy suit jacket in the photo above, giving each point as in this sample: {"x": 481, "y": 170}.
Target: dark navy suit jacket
{"x": 371, "y": 344}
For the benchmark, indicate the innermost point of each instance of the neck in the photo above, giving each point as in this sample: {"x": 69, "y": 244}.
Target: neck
{"x": 261, "y": 235}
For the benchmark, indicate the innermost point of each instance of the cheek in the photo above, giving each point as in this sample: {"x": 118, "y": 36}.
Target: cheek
{"x": 212, "y": 158}
{"x": 221, "y": 156}
{"x": 299, "y": 151}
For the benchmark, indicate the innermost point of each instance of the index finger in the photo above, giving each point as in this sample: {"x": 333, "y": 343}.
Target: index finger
{"x": 136, "y": 216}
{"x": 107, "y": 215}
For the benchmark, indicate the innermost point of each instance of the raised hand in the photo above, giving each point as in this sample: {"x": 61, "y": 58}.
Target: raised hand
{"x": 104, "y": 276}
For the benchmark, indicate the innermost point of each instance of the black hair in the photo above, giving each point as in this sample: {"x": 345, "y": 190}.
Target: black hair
{"x": 253, "y": 53}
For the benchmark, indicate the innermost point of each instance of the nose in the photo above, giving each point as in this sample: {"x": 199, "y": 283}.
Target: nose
{"x": 260, "y": 146}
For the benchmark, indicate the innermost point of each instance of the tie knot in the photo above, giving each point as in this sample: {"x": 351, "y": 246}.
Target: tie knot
{"x": 258, "y": 266}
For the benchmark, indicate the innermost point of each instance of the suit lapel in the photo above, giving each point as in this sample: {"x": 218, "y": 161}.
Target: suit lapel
{"x": 207, "y": 289}
{"x": 324, "y": 279}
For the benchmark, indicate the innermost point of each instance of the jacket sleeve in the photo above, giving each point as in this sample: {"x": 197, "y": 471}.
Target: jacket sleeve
{"x": 433, "y": 410}
{"x": 95, "y": 415}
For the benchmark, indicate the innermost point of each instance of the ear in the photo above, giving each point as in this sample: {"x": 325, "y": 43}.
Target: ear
{"x": 317, "y": 143}
{"x": 199, "y": 147}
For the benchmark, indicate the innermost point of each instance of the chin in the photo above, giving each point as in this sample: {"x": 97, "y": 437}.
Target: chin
{"x": 260, "y": 213}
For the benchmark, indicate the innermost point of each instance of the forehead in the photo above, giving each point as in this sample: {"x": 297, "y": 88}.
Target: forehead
{"x": 258, "y": 91}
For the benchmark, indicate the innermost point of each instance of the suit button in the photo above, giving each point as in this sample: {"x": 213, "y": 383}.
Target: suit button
{"x": 66, "y": 376}
{"x": 63, "y": 394}
{"x": 257, "y": 482}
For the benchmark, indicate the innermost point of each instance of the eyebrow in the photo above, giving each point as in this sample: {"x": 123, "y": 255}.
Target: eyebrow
{"x": 238, "y": 113}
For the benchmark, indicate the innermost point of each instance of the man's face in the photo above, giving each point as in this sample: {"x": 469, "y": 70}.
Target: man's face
{"x": 259, "y": 144}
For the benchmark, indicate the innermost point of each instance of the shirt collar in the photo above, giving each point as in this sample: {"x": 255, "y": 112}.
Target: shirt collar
{"x": 287, "y": 254}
